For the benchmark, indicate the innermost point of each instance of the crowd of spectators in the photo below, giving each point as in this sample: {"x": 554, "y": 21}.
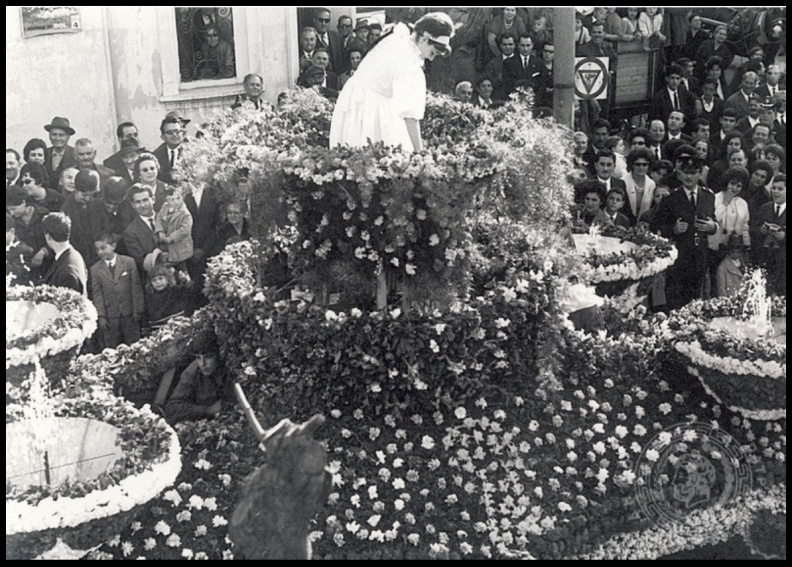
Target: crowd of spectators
{"x": 708, "y": 171}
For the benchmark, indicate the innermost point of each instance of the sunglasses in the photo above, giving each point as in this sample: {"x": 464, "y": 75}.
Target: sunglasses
{"x": 27, "y": 181}
{"x": 549, "y": 50}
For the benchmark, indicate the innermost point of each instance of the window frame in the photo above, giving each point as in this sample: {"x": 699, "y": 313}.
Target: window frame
{"x": 173, "y": 89}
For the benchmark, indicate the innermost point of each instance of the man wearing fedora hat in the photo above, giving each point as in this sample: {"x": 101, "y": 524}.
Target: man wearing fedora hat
{"x": 60, "y": 155}
{"x": 127, "y": 156}
{"x": 125, "y": 131}
{"x": 312, "y": 78}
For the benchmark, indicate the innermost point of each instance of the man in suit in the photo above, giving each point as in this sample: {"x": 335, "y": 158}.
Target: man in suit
{"x": 604, "y": 166}
{"x": 687, "y": 217}
{"x": 522, "y": 69}
{"x": 772, "y": 83}
{"x": 673, "y": 97}
{"x": 768, "y": 236}
{"x": 709, "y": 106}
{"x": 321, "y": 58}
{"x": 139, "y": 236}
{"x": 12, "y": 167}
{"x": 344, "y": 27}
{"x": 127, "y": 156}
{"x": 331, "y": 40}
{"x": 68, "y": 269}
{"x": 508, "y": 44}
{"x": 117, "y": 293}
{"x": 168, "y": 153}
{"x": 203, "y": 204}
{"x": 307, "y": 45}
{"x": 125, "y": 131}
{"x": 60, "y": 155}
{"x": 740, "y": 100}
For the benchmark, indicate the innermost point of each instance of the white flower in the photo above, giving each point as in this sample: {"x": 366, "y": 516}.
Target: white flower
{"x": 331, "y": 315}
{"x": 201, "y": 530}
{"x": 173, "y": 497}
{"x": 433, "y": 346}
{"x": 395, "y": 313}
{"x": 564, "y": 507}
{"x": 184, "y": 516}
{"x": 187, "y": 553}
{"x": 427, "y": 442}
{"x": 460, "y": 413}
{"x": 690, "y": 435}
{"x": 665, "y": 408}
{"x": 210, "y": 504}
{"x": 501, "y": 323}
{"x": 196, "y": 502}
{"x": 149, "y": 543}
{"x": 355, "y": 312}
{"x": 374, "y": 520}
{"x": 434, "y": 240}
{"x": 652, "y": 455}
{"x": 127, "y": 548}
{"x": 218, "y": 521}
{"x": 398, "y": 484}
{"x": 173, "y": 540}
{"x": 162, "y": 528}
{"x": 410, "y": 269}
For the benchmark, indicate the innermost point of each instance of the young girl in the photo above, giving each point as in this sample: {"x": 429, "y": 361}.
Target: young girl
{"x": 650, "y": 23}
{"x": 164, "y": 299}
{"x": 173, "y": 226}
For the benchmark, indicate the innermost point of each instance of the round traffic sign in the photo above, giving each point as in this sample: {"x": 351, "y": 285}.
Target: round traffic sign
{"x": 591, "y": 77}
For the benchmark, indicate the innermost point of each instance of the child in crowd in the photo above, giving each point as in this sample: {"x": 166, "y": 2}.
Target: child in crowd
{"x": 613, "y": 206}
{"x": 729, "y": 278}
{"x": 164, "y": 299}
{"x": 18, "y": 255}
{"x": 660, "y": 192}
{"x": 173, "y": 226}
{"x": 117, "y": 294}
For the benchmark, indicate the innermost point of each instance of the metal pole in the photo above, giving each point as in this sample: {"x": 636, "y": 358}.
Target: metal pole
{"x": 564, "y": 66}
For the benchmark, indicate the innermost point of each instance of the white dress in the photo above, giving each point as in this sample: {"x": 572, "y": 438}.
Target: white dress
{"x": 388, "y": 86}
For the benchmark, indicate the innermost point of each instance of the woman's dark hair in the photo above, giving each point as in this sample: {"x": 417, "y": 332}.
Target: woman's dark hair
{"x": 33, "y": 144}
{"x": 728, "y": 138}
{"x": 736, "y": 173}
{"x": 435, "y": 24}
{"x": 777, "y": 151}
{"x": 659, "y": 164}
{"x": 713, "y": 61}
{"x": 36, "y": 171}
{"x": 590, "y": 186}
{"x": 639, "y": 153}
{"x": 763, "y": 165}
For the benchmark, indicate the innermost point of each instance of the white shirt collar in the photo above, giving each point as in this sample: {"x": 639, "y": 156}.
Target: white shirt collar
{"x": 112, "y": 262}
{"x": 782, "y": 210}
{"x": 59, "y": 254}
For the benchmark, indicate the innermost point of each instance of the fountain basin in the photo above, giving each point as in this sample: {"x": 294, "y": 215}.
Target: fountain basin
{"x": 740, "y": 362}
{"x": 46, "y": 324}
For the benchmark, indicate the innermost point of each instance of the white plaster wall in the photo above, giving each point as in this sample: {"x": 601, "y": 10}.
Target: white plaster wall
{"x": 59, "y": 75}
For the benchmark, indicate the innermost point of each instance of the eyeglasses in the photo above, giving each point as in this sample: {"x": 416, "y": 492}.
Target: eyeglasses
{"x": 344, "y": 25}
{"x": 549, "y": 50}
{"x": 641, "y": 164}
{"x": 639, "y": 143}
{"x": 325, "y": 20}
{"x": 212, "y": 35}
{"x": 172, "y": 132}
{"x": 27, "y": 181}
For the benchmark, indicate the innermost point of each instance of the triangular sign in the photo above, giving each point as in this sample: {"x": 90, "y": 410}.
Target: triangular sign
{"x": 589, "y": 77}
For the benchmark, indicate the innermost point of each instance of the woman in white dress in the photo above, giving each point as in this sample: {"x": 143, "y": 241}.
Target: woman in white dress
{"x": 385, "y": 99}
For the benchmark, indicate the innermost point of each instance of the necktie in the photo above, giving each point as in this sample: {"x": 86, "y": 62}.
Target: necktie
{"x": 777, "y": 211}
{"x": 772, "y": 91}
{"x": 56, "y": 159}
{"x": 112, "y": 268}
{"x": 676, "y": 100}
{"x": 657, "y": 153}
{"x": 693, "y": 199}
{"x": 151, "y": 224}
{"x": 172, "y": 157}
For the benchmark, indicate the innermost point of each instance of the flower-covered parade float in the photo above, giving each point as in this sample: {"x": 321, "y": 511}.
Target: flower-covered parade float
{"x": 80, "y": 462}
{"x": 416, "y": 301}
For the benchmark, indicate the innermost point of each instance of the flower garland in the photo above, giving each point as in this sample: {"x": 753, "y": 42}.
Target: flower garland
{"x": 151, "y": 463}
{"x": 724, "y": 350}
{"x": 758, "y": 414}
{"x": 704, "y": 527}
{"x": 651, "y": 255}
{"x": 75, "y": 323}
